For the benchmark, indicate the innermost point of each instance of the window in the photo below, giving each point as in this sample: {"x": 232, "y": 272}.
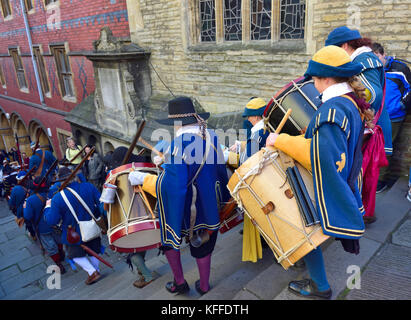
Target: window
{"x": 47, "y": 2}
{"x": 42, "y": 70}
{"x": 62, "y": 136}
{"x": 2, "y": 79}
{"x": 29, "y": 5}
{"x": 5, "y": 6}
{"x": 207, "y": 17}
{"x": 63, "y": 71}
{"x": 250, "y": 20}
{"x": 18, "y": 65}
{"x": 232, "y": 20}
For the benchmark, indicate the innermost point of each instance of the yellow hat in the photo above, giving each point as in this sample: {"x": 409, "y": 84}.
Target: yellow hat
{"x": 254, "y": 107}
{"x": 332, "y": 61}
{"x": 332, "y": 56}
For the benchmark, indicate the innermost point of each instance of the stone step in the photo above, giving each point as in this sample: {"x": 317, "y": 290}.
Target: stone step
{"x": 236, "y": 275}
{"x": 339, "y": 266}
{"x": 225, "y": 257}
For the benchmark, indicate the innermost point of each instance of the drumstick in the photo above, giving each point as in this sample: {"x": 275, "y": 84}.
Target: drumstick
{"x": 151, "y": 147}
{"x": 283, "y": 121}
{"x": 146, "y": 200}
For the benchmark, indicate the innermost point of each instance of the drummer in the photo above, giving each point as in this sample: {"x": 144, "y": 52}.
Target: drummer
{"x": 241, "y": 151}
{"x": 186, "y": 176}
{"x": 330, "y": 147}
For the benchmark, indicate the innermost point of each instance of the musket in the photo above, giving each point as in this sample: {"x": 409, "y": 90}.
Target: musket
{"x": 52, "y": 167}
{"x": 134, "y": 142}
{"x": 19, "y": 153}
{"x": 37, "y": 141}
{"x": 75, "y": 157}
{"x": 73, "y": 174}
{"x": 27, "y": 175}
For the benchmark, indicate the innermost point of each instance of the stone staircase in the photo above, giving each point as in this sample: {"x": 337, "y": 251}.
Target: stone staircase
{"x": 231, "y": 279}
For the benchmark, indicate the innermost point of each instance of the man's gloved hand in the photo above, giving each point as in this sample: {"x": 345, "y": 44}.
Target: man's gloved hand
{"x": 136, "y": 177}
{"x": 158, "y": 160}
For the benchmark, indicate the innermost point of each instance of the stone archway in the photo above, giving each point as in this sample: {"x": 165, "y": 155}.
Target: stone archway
{"x": 6, "y": 132}
{"x": 20, "y": 131}
{"x": 36, "y": 129}
{"x": 107, "y": 147}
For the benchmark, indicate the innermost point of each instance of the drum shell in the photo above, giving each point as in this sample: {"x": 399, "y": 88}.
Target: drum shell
{"x": 132, "y": 229}
{"x": 302, "y": 109}
{"x": 271, "y": 186}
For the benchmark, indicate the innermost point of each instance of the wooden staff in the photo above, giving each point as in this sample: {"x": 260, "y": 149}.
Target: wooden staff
{"x": 27, "y": 175}
{"x": 134, "y": 142}
{"x": 73, "y": 174}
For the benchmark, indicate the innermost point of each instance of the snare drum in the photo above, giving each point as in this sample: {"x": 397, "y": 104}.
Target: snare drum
{"x": 260, "y": 186}
{"x": 300, "y": 96}
{"x": 133, "y": 225}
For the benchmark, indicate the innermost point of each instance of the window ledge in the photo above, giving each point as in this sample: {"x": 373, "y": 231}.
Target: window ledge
{"x": 8, "y": 18}
{"x": 25, "y": 90}
{"x": 70, "y": 99}
{"x": 279, "y": 46}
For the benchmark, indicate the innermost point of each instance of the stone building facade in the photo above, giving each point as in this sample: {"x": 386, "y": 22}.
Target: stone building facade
{"x": 222, "y": 74}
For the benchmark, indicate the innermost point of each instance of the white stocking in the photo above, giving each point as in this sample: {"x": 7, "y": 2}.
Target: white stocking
{"x": 85, "y": 264}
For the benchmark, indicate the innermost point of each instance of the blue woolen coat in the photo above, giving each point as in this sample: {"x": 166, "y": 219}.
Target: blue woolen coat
{"x": 335, "y": 130}
{"x": 59, "y": 210}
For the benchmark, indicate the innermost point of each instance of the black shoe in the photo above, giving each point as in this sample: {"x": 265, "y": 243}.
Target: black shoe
{"x": 381, "y": 186}
{"x": 198, "y": 288}
{"x": 179, "y": 289}
{"x": 307, "y": 288}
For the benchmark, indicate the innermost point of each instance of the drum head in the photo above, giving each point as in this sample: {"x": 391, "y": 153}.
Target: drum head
{"x": 303, "y": 106}
{"x": 138, "y": 236}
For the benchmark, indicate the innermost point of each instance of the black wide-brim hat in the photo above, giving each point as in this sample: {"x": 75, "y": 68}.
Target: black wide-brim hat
{"x": 181, "y": 109}
{"x": 116, "y": 158}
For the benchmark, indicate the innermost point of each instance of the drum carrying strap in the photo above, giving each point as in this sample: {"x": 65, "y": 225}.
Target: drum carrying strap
{"x": 193, "y": 209}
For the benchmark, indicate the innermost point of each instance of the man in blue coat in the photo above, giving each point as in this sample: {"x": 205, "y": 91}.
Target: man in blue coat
{"x": 58, "y": 211}
{"x": 34, "y": 212}
{"x": 189, "y": 192}
{"x": 42, "y": 159}
{"x": 372, "y": 75}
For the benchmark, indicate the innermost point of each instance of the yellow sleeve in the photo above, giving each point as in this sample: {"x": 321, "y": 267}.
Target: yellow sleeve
{"x": 243, "y": 145}
{"x": 149, "y": 184}
{"x": 297, "y": 147}
{"x": 233, "y": 159}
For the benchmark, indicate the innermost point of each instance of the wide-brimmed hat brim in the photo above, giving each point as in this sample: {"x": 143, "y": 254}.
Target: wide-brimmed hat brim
{"x": 184, "y": 121}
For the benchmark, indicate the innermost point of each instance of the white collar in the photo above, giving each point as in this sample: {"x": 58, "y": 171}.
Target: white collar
{"x": 359, "y": 51}
{"x": 336, "y": 90}
{"x": 258, "y": 126}
{"x": 193, "y": 129}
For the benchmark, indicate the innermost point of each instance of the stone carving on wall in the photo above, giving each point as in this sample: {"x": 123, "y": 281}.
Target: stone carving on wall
{"x": 120, "y": 92}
